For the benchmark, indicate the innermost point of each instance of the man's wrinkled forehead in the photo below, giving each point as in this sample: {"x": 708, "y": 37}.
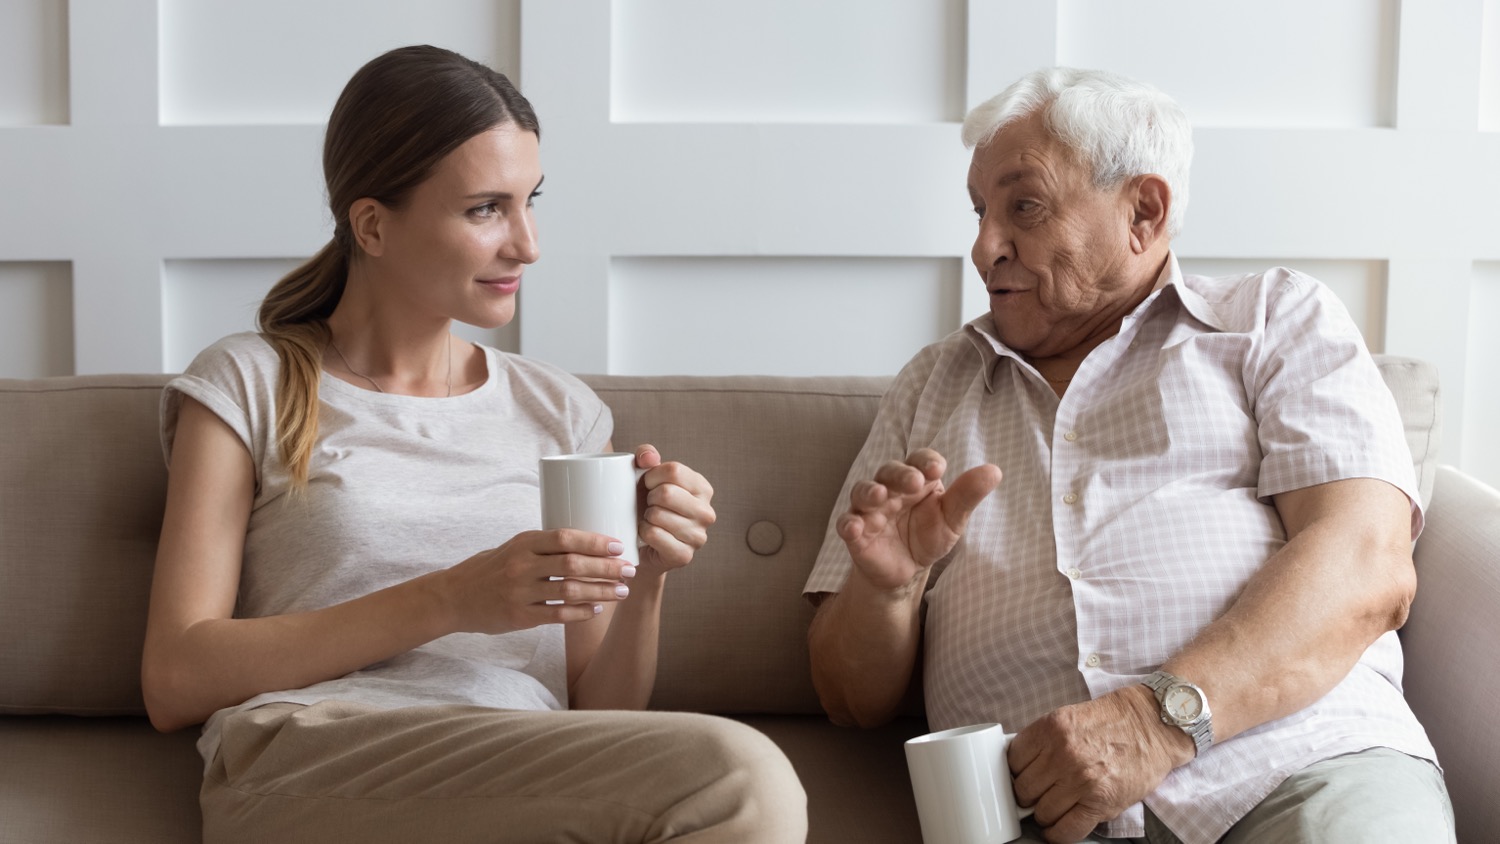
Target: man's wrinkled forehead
{"x": 994, "y": 165}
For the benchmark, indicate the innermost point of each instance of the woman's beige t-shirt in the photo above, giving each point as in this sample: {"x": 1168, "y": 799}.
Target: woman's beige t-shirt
{"x": 398, "y": 486}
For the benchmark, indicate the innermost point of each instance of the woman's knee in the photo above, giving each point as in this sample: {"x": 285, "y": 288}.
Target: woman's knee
{"x": 743, "y": 780}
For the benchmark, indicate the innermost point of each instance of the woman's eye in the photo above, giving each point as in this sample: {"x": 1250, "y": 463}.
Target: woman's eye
{"x": 979, "y": 212}
{"x": 531, "y": 200}
{"x": 484, "y": 211}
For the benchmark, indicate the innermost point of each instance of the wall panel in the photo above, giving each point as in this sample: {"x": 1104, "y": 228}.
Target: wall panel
{"x": 36, "y": 319}
{"x": 886, "y": 61}
{"x": 1481, "y": 428}
{"x": 1285, "y": 63}
{"x": 33, "y": 62}
{"x": 1489, "y": 68}
{"x": 285, "y": 61}
{"x": 777, "y": 316}
{"x": 203, "y": 300}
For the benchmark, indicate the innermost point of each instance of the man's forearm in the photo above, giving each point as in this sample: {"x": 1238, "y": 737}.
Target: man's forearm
{"x": 863, "y": 644}
{"x": 1343, "y": 579}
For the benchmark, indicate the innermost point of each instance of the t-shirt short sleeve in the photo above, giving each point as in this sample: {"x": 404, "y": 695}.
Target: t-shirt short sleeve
{"x": 229, "y": 378}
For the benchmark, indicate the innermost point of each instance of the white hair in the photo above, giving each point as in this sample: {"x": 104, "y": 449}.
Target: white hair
{"x": 1119, "y": 127}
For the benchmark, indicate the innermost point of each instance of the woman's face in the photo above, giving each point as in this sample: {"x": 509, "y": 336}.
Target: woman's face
{"x": 458, "y": 245}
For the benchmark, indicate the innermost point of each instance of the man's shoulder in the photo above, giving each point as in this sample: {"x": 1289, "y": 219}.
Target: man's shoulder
{"x": 961, "y": 353}
{"x": 1244, "y": 302}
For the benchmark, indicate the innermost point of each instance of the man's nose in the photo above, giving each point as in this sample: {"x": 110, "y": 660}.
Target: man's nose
{"x": 992, "y": 246}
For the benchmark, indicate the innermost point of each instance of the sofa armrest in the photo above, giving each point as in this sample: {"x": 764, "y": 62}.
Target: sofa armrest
{"x": 1452, "y": 645}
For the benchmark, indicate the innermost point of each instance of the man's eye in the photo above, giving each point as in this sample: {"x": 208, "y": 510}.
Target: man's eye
{"x": 979, "y": 212}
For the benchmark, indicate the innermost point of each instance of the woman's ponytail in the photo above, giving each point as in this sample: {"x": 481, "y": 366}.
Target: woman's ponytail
{"x": 294, "y": 319}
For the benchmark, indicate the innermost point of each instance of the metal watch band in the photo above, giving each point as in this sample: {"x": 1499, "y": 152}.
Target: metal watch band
{"x": 1201, "y": 730}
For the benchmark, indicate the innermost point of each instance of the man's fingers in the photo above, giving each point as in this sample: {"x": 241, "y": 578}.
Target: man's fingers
{"x": 929, "y": 462}
{"x": 850, "y": 528}
{"x": 967, "y": 491}
{"x": 868, "y": 495}
{"x": 900, "y": 478}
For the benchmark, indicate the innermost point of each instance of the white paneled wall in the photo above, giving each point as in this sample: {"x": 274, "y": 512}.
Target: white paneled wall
{"x": 773, "y": 187}
{"x": 791, "y": 316}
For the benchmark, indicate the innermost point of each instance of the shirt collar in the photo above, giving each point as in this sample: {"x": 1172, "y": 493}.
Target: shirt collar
{"x": 981, "y": 331}
{"x": 1187, "y": 294}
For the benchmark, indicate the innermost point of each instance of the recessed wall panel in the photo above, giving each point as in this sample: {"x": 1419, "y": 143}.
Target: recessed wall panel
{"x": 1360, "y": 285}
{"x": 1284, "y": 63}
{"x": 33, "y": 62}
{"x": 877, "y": 61}
{"x": 777, "y": 316}
{"x": 1489, "y": 68}
{"x": 285, "y": 61}
{"x": 36, "y": 319}
{"x": 204, "y": 300}
{"x": 1481, "y": 444}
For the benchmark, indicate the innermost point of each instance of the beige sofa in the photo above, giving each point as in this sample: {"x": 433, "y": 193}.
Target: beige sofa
{"x": 81, "y": 490}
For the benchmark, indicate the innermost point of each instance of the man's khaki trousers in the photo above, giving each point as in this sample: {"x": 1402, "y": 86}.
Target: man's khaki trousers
{"x": 344, "y": 772}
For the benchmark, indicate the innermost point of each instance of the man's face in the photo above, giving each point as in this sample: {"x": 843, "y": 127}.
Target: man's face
{"x": 1053, "y": 250}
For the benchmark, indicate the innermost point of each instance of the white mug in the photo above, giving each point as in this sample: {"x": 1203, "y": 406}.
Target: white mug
{"x": 962, "y": 784}
{"x": 593, "y": 492}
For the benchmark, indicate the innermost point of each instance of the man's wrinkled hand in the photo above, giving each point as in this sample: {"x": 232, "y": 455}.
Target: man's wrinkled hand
{"x": 904, "y": 520}
{"x": 1084, "y": 764}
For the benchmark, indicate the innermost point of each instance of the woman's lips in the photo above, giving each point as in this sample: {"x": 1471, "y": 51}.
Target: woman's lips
{"x": 502, "y": 285}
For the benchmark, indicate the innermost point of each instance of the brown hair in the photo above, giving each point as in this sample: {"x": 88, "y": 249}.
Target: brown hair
{"x": 396, "y": 119}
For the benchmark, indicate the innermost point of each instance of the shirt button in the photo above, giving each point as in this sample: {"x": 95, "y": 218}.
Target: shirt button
{"x": 1093, "y": 661}
{"x": 1070, "y": 498}
{"x": 1074, "y": 573}
{"x": 1070, "y": 436}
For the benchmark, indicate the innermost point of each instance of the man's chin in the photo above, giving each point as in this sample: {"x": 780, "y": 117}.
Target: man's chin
{"x": 1014, "y": 339}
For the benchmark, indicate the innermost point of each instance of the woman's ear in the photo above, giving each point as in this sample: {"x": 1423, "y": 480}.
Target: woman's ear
{"x": 367, "y": 221}
{"x": 1152, "y": 200}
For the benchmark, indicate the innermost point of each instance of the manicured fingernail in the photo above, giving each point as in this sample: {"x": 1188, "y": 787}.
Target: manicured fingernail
{"x": 627, "y": 571}
{"x": 598, "y": 608}
{"x": 622, "y": 590}
{"x": 616, "y": 548}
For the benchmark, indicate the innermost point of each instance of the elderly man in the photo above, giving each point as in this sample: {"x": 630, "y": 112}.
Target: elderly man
{"x": 1186, "y": 591}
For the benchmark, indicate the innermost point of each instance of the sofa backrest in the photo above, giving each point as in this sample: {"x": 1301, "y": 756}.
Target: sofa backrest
{"x": 82, "y": 485}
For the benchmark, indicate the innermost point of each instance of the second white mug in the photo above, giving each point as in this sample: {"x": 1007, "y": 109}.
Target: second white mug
{"x": 962, "y": 785}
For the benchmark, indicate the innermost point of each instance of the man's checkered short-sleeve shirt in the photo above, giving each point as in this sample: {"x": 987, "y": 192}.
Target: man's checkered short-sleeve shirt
{"x": 1135, "y": 508}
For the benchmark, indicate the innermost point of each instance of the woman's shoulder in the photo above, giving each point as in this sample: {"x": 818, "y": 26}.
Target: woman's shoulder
{"x": 239, "y": 354}
{"x": 523, "y": 374}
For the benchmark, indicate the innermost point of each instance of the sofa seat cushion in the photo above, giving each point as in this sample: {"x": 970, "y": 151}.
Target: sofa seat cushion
{"x": 97, "y": 779}
{"x": 858, "y": 790}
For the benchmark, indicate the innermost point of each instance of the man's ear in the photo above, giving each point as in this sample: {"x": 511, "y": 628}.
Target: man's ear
{"x": 1152, "y": 200}
{"x": 367, "y": 222}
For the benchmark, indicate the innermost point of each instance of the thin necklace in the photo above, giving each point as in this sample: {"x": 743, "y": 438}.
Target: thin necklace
{"x": 376, "y": 385}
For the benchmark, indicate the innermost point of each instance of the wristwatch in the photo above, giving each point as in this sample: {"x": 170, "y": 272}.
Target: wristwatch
{"x": 1184, "y": 706}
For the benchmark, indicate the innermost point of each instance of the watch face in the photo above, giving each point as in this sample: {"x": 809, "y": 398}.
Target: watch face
{"x": 1183, "y": 704}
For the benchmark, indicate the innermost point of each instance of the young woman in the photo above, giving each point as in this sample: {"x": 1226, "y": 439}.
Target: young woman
{"x": 349, "y": 588}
